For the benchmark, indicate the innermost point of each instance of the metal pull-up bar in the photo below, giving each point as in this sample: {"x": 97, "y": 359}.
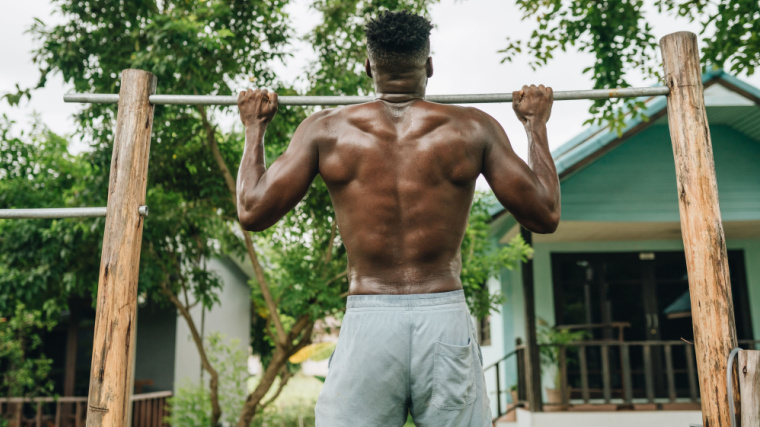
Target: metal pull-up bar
{"x": 55, "y": 213}
{"x": 479, "y": 98}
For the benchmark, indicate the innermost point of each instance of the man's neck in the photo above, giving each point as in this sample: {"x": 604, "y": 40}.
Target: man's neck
{"x": 400, "y": 88}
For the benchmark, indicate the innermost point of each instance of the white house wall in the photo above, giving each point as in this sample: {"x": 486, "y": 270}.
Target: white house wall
{"x": 231, "y": 317}
{"x": 494, "y": 351}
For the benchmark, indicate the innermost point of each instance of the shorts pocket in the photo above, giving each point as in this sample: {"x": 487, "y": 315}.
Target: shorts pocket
{"x": 453, "y": 376}
{"x": 329, "y": 361}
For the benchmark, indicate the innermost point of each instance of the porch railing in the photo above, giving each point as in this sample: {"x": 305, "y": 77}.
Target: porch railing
{"x": 148, "y": 410}
{"x": 657, "y": 374}
{"x": 517, "y": 399}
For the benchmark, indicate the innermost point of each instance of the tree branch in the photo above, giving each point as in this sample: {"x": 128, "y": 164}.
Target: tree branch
{"x": 261, "y": 279}
{"x": 337, "y": 276}
{"x": 284, "y": 377}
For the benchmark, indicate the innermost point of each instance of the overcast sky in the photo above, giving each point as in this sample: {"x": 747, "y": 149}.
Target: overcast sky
{"x": 465, "y": 42}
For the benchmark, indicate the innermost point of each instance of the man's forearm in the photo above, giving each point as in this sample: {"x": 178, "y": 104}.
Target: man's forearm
{"x": 253, "y": 165}
{"x": 540, "y": 158}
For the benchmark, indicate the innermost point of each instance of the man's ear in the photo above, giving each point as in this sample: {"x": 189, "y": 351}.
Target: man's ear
{"x": 367, "y": 68}
{"x": 429, "y": 66}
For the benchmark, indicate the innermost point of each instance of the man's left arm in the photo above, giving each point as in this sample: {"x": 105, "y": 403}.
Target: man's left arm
{"x": 265, "y": 195}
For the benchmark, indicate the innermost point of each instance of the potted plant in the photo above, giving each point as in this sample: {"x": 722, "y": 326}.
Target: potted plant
{"x": 549, "y": 341}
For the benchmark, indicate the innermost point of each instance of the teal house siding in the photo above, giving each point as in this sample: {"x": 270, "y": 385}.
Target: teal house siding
{"x": 619, "y": 195}
{"x": 636, "y": 181}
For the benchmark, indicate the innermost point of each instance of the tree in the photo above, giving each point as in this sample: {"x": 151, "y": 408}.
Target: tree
{"x": 42, "y": 262}
{"x": 204, "y": 47}
{"x": 618, "y": 34}
{"x": 192, "y": 47}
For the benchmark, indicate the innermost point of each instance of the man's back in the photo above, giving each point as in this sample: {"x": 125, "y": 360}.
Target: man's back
{"x": 401, "y": 174}
{"x": 401, "y": 177}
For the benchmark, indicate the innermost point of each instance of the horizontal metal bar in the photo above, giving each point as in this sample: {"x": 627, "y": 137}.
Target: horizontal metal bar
{"x": 481, "y": 98}
{"x": 52, "y": 213}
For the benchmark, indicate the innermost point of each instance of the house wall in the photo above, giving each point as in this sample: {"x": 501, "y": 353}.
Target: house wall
{"x": 231, "y": 317}
{"x": 514, "y": 313}
{"x": 636, "y": 181}
{"x": 494, "y": 351}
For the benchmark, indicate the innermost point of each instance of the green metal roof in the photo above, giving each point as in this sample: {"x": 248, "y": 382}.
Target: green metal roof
{"x": 571, "y": 156}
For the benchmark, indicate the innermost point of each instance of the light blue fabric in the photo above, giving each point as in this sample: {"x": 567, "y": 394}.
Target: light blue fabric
{"x": 400, "y": 354}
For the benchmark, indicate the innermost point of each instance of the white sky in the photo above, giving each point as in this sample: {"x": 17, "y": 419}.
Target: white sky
{"x": 465, "y": 42}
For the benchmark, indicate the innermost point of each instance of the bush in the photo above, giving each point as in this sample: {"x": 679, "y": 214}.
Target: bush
{"x": 191, "y": 406}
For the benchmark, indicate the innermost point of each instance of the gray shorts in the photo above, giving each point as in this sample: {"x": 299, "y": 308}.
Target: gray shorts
{"x": 400, "y": 354}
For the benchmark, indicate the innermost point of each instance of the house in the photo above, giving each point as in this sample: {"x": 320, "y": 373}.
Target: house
{"x": 615, "y": 268}
{"x": 165, "y": 354}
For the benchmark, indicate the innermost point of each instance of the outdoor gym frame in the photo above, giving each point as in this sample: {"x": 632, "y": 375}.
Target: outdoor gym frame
{"x": 701, "y": 226}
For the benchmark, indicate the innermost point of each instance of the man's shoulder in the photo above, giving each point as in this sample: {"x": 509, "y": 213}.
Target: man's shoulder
{"x": 459, "y": 112}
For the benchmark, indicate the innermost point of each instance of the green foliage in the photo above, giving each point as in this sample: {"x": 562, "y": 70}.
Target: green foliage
{"x": 191, "y": 405}
{"x": 192, "y": 47}
{"x": 482, "y": 259}
{"x": 546, "y": 334}
{"x": 618, "y": 35}
{"x": 615, "y": 32}
{"x": 340, "y": 45}
{"x": 296, "y": 401}
{"x": 22, "y": 374}
{"x": 730, "y": 30}
{"x": 45, "y": 261}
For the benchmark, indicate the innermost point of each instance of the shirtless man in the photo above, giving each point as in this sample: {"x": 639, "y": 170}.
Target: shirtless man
{"x": 401, "y": 174}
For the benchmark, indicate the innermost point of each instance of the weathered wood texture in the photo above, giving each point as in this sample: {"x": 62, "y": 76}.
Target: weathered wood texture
{"x": 120, "y": 259}
{"x": 749, "y": 384}
{"x": 701, "y": 226}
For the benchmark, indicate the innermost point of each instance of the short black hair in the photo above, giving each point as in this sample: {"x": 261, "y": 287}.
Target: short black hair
{"x": 398, "y": 38}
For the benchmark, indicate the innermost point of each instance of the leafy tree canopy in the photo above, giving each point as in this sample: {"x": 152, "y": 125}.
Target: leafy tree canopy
{"x": 619, "y": 36}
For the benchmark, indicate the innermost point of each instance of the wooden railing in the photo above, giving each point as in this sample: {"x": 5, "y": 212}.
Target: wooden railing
{"x": 622, "y": 373}
{"x": 148, "y": 410}
{"x": 628, "y": 373}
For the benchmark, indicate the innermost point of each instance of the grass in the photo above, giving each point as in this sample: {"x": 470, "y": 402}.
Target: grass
{"x": 297, "y": 398}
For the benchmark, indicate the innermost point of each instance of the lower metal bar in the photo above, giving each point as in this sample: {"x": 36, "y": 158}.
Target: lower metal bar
{"x": 482, "y": 98}
{"x": 52, "y": 213}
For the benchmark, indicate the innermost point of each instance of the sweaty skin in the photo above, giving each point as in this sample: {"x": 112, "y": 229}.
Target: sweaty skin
{"x": 401, "y": 174}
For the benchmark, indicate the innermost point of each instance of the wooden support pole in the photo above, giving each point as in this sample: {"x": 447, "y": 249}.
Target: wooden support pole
{"x": 532, "y": 359}
{"x": 749, "y": 384}
{"x": 120, "y": 260}
{"x": 701, "y": 226}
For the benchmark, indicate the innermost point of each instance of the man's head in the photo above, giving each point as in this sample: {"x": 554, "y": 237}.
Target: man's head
{"x": 398, "y": 42}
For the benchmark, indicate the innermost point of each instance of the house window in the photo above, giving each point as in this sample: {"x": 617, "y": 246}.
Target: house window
{"x": 484, "y": 331}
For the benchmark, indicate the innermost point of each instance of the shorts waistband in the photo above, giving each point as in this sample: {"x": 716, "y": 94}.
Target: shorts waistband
{"x": 410, "y": 301}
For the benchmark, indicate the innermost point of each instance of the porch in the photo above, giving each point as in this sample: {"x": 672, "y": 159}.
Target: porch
{"x": 148, "y": 410}
{"x": 603, "y": 376}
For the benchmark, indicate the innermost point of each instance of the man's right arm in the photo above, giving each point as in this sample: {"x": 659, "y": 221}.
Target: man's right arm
{"x": 530, "y": 193}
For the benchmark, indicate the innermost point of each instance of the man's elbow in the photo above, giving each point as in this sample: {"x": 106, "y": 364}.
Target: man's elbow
{"x": 548, "y": 224}
{"x": 250, "y": 222}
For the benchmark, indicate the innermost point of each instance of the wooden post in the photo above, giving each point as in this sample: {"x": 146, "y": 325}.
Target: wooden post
{"x": 704, "y": 242}
{"x": 749, "y": 384}
{"x": 119, "y": 264}
{"x": 532, "y": 360}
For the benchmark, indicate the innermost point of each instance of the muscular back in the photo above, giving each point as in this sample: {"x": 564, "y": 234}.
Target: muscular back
{"x": 401, "y": 178}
